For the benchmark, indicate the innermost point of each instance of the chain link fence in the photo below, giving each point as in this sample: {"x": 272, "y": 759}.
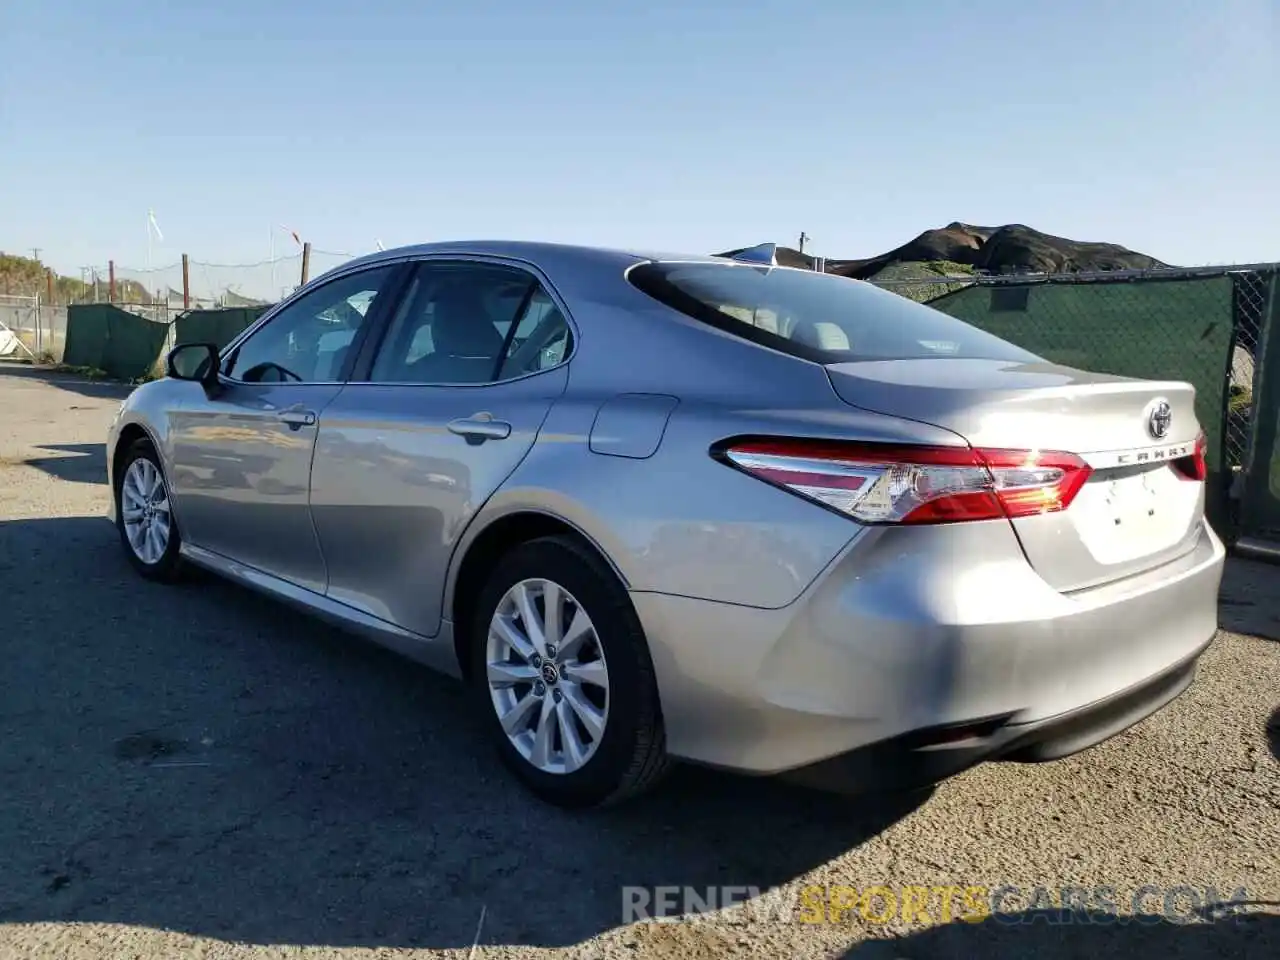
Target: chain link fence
{"x": 145, "y": 312}
{"x": 200, "y": 284}
{"x": 19, "y": 326}
{"x": 120, "y": 321}
{"x": 31, "y": 330}
{"x": 185, "y": 283}
{"x": 1203, "y": 325}
{"x": 197, "y": 284}
{"x": 1260, "y": 496}
{"x": 1251, "y": 294}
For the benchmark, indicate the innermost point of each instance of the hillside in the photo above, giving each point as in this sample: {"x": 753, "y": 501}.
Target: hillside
{"x": 24, "y": 277}
{"x": 1013, "y": 248}
{"x": 957, "y": 248}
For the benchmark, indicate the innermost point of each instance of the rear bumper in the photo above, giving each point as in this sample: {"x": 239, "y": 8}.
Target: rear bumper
{"x": 924, "y": 757}
{"x": 913, "y": 631}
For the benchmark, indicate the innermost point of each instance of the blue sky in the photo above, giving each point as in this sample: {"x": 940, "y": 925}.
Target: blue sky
{"x": 679, "y": 125}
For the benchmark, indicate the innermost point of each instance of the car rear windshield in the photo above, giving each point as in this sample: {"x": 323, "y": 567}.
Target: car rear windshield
{"x": 820, "y": 317}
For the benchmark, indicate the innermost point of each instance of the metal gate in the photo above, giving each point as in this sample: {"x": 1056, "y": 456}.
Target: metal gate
{"x": 1260, "y": 506}
{"x": 20, "y": 333}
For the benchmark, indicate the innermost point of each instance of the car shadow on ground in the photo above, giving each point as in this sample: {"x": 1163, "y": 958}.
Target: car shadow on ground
{"x": 199, "y": 759}
{"x": 74, "y": 462}
{"x": 1059, "y": 935}
{"x": 1245, "y": 602}
{"x": 67, "y": 380}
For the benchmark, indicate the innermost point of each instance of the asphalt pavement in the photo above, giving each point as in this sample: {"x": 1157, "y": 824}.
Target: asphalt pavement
{"x": 198, "y": 771}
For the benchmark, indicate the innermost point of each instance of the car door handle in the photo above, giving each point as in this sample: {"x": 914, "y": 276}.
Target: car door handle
{"x": 480, "y": 427}
{"x": 296, "y": 418}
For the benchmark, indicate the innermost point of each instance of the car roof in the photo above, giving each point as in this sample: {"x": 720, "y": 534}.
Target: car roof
{"x": 539, "y": 253}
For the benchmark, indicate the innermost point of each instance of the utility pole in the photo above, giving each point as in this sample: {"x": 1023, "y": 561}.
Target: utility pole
{"x": 35, "y": 254}
{"x": 804, "y": 238}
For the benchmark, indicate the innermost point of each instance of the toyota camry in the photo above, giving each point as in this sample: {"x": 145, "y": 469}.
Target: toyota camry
{"x": 662, "y": 507}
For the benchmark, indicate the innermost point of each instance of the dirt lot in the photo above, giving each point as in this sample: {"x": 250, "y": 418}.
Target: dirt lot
{"x": 195, "y": 771}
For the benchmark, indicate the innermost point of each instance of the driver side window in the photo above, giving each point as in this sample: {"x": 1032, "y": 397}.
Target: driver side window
{"x": 309, "y": 340}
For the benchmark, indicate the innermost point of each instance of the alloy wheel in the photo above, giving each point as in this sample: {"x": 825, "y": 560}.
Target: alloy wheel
{"x": 144, "y": 508}
{"x": 547, "y": 676}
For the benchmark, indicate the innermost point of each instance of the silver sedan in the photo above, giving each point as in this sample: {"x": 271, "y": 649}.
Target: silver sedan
{"x": 655, "y": 507}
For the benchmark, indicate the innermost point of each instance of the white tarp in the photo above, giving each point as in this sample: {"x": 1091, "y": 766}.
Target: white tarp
{"x": 8, "y": 344}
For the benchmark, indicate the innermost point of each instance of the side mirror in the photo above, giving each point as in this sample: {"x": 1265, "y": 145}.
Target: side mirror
{"x": 193, "y": 361}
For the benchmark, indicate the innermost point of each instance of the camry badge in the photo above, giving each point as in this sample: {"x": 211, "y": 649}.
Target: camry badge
{"x": 1159, "y": 417}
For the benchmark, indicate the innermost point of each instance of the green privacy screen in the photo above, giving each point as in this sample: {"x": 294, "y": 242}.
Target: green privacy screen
{"x": 126, "y": 346}
{"x": 1161, "y": 330}
{"x": 1153, "y": 329}
{"x": 214, "y": 326}
{"x": 121, "y": 344}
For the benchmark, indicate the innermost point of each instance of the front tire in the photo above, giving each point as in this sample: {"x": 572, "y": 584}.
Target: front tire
{"x": 562, "y": 671}
{"x": 144, "y": 518}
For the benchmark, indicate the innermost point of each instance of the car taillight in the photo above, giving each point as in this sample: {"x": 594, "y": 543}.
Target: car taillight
{"x": 1196, "y": 466}
{"x": 876, "y": 483}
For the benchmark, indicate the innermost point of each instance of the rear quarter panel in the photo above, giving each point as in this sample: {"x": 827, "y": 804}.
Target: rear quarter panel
{"x": 677, "y": 521}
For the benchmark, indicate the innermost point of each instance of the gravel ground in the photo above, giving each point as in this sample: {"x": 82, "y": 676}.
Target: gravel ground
{"x": 197, "y": 771}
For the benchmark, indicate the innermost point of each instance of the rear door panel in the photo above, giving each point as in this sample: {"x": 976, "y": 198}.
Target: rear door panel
{"x": 392, "y": 489}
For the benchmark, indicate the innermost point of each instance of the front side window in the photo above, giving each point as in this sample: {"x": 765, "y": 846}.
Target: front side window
{"x": 470, "y": 323}
{"x": 309, "y": 340}
{"x": 820, "y": 317}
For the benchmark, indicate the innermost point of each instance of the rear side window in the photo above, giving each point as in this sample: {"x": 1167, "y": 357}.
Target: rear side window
{"x": 819, "y": 317}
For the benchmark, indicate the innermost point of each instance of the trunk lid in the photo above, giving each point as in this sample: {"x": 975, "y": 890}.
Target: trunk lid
{"x": 1135, "y": 512}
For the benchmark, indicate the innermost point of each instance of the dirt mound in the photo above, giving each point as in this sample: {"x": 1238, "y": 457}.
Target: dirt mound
{"x": 1013, "y": 248}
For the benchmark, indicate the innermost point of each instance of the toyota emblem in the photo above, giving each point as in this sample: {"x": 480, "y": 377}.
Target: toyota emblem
{"x": 1159, "y": 417}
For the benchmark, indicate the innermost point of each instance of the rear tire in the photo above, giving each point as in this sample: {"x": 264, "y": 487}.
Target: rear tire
{"x": 149, "y": 535}
{"x": 584, "y": 724}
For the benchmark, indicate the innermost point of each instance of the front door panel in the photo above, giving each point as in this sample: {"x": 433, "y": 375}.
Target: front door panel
{"x": 241, "y": 468}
